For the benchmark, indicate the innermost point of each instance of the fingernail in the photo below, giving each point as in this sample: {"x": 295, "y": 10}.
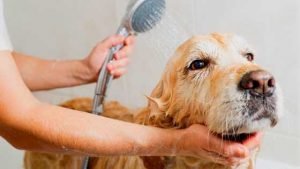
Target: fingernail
{"x": 110, "y": 66}
{"x": 112, "y": 72}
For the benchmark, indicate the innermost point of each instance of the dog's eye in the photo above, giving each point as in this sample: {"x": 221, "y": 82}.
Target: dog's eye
{"x": 249, "y": 56}
{"x": 198, "y": 64}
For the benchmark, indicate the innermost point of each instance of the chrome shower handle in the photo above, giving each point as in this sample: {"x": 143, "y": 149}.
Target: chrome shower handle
{"x": 105, "y": 77}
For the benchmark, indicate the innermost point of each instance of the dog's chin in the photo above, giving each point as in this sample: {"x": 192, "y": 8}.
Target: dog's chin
{"x": 259, "y": 114}
{"x": 247, "y": 130}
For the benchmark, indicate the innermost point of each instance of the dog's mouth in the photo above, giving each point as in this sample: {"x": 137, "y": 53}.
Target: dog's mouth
{"x": 240, "y": 138}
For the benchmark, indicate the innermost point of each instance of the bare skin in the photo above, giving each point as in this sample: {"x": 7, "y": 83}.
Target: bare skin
{"x": 28, "y": 124}
{"x": 39, "y": 74}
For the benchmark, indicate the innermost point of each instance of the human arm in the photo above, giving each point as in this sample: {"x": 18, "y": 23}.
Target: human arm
{"x": 41, "y": 74}
{"x": 31, "y": 125}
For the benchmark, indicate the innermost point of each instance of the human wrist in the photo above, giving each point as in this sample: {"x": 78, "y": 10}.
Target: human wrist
{"x": 164, "y": 143}
{"x": 84, "y": 73}
{"x": 180, "y": 143}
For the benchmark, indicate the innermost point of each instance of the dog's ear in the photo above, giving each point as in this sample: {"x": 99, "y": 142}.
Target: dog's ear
{"x": 154, "y": 105}
{"x": 162, "y": 95}
{"x": 159, "y": 105}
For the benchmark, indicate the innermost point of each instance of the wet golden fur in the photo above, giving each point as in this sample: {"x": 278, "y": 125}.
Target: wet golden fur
{"x": 180, "y": 99}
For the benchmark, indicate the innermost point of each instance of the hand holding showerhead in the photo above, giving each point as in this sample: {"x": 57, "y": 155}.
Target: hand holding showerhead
{"x": 141, "y": 16}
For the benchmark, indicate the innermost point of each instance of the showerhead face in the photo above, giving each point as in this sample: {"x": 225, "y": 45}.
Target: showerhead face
{"x": 145, "y": 14}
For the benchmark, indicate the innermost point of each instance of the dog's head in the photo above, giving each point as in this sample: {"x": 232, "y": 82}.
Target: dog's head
{"x": 213, "y": 80}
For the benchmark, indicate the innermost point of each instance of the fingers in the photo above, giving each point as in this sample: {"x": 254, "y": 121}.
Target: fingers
{"x": 212, "y": 147}
{"x": 235, "y": 162}
{"x": 117, "y": 40}
{"x": 227, "y": 153}
{"x": 212, "y": 143}
{"x": 118, "y": 67}
{"x": 116, "y": 64}
{"x": 94, "y": 61}
{"x": 119, "y": 72}
{"x": 112, "y": 41}
{"x": 130, "y": 40}
{"x": 226, "y": 148}
{"x": 124, "y": 52}
{"x": 254, "y": 142}
{"x": 127, "y": 49}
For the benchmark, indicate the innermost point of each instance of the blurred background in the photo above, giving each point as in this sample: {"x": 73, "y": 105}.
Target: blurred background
{"x": 69, "y": 29}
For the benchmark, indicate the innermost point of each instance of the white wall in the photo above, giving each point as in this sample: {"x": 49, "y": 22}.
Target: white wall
{"x": 69, "y": 30}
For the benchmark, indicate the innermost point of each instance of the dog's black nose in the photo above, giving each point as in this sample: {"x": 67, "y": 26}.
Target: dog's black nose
{"x": 259, "y": 83}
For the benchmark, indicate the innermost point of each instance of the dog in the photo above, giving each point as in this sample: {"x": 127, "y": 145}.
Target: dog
{"x": 211, "y": 80}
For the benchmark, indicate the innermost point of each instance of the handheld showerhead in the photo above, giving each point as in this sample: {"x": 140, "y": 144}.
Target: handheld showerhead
{"x": 141, "y": 16}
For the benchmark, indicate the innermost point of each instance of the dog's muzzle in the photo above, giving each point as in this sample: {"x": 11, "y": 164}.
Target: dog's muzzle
{"x": 260, "y": 85}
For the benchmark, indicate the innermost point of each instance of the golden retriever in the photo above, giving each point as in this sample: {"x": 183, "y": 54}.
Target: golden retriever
{"x": 210, "y": 80}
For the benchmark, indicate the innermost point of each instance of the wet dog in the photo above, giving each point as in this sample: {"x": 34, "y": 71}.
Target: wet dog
{"x": 211, "y": 80}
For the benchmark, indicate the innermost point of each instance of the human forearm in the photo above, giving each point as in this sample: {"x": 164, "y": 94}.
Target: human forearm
{"x": 53, "y": 129}
{"x": 39, "y": 74}
{"x": 57, "y": 129}
{"x": 32, "y": 125}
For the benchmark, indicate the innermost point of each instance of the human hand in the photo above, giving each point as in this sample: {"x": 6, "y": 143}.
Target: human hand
{"x": 197, "y": 141}
{"x": 94, "y": 61}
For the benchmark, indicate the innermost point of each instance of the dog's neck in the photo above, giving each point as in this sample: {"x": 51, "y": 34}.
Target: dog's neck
{"x": 175, "y": 115}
